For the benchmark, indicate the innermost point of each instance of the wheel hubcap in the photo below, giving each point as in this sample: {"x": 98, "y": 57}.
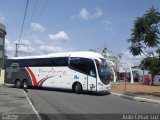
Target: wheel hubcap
{"x": 25, "y": 85}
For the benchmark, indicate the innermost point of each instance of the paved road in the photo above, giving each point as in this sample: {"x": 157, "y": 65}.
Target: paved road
{"x": 50, "y": 102}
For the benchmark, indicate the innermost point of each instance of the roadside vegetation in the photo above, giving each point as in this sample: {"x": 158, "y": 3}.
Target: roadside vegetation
{"x": 145, "y": 39}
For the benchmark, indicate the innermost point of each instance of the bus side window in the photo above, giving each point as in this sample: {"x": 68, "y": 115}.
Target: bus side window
{"x": 83, "y": 65}
{"x": 78, "y": 65}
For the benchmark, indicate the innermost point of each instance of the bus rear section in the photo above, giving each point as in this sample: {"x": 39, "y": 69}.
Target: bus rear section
{"x": 16, "y": 75}
{"x": 37, "y": 72}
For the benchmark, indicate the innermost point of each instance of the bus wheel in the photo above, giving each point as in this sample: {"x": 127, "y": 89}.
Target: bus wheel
{"x": 17, "y": 84}
{"x": 78, "y": 88}
{"x": 25, "y": 84}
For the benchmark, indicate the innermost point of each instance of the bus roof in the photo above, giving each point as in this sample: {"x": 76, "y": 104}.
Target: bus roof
{"x": 83, "y": 54}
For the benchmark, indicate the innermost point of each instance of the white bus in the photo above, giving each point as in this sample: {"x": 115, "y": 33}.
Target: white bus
{"x": 79, "y": 71}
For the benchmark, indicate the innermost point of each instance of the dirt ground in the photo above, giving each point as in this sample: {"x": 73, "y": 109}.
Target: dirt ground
{"x": 136, "y": 88}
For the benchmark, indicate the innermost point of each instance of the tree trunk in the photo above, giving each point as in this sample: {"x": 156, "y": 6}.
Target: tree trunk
{"x": 152, "y": 81}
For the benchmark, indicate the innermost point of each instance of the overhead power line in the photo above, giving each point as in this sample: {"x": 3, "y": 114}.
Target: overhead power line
{"x": 33, "y": 11}
{"x": 17, "y": 44}
{"x": 23, "y": 21}
{"x": 42, "y": 10}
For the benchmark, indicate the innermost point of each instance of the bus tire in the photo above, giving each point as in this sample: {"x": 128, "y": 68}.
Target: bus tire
{"x": 17, "y": 84}
{"x": 25, "y": 84}
{"x": 78, "y": 88}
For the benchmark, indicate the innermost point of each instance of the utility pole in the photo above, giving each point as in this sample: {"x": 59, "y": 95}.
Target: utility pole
{"x": 17, "y": 46}
{"x": 16, "y": 52}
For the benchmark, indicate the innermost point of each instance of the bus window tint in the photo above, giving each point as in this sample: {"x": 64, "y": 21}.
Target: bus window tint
{"x": 83, "y": 65}
{"x": 59, "y": 61}
{"x": 104, "y": 71}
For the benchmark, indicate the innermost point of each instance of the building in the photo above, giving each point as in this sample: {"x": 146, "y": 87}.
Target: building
{"x": 2, "y": 51}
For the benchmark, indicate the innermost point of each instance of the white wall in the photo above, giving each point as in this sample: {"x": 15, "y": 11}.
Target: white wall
{"x": 1, "y": 76}
{"x": 157, "y": 79}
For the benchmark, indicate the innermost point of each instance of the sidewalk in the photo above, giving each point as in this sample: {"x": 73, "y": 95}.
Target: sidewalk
{"x": 14, "y": 104}
{"x": 137, "y": 92}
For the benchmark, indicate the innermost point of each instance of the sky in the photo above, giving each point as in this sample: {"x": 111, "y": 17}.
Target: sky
{"x": 72, "y": 25}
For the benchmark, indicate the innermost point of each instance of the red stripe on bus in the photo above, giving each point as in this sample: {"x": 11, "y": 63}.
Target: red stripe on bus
{"x": 41, "y": 81}
{"x": 33, "y": 76}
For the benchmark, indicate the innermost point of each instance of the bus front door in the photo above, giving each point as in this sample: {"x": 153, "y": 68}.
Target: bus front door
{"x": 91, "y": 83}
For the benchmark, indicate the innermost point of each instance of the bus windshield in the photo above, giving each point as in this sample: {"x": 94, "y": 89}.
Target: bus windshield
{"x": 104, "y": 70}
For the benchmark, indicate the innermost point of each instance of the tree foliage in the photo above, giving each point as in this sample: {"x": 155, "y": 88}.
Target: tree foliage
{"x": 145, "y": 37}
{"x": 150, "y": 64}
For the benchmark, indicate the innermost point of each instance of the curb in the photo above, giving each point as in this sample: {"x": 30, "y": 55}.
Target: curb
{"x": 140, "y": 99}
{"x": 33, "y": 108}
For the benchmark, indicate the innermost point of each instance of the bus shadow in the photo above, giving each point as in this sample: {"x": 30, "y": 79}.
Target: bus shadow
{"x": 71, "y": 92}
{"x": 63, "y": 91}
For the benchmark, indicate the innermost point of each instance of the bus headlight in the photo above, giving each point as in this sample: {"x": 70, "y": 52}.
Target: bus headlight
{"x": 100, "y": 84}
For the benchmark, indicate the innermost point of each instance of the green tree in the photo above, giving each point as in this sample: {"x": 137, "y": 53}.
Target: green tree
{"x": 145, "y": 36}
{"x": 150, "y": 64}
